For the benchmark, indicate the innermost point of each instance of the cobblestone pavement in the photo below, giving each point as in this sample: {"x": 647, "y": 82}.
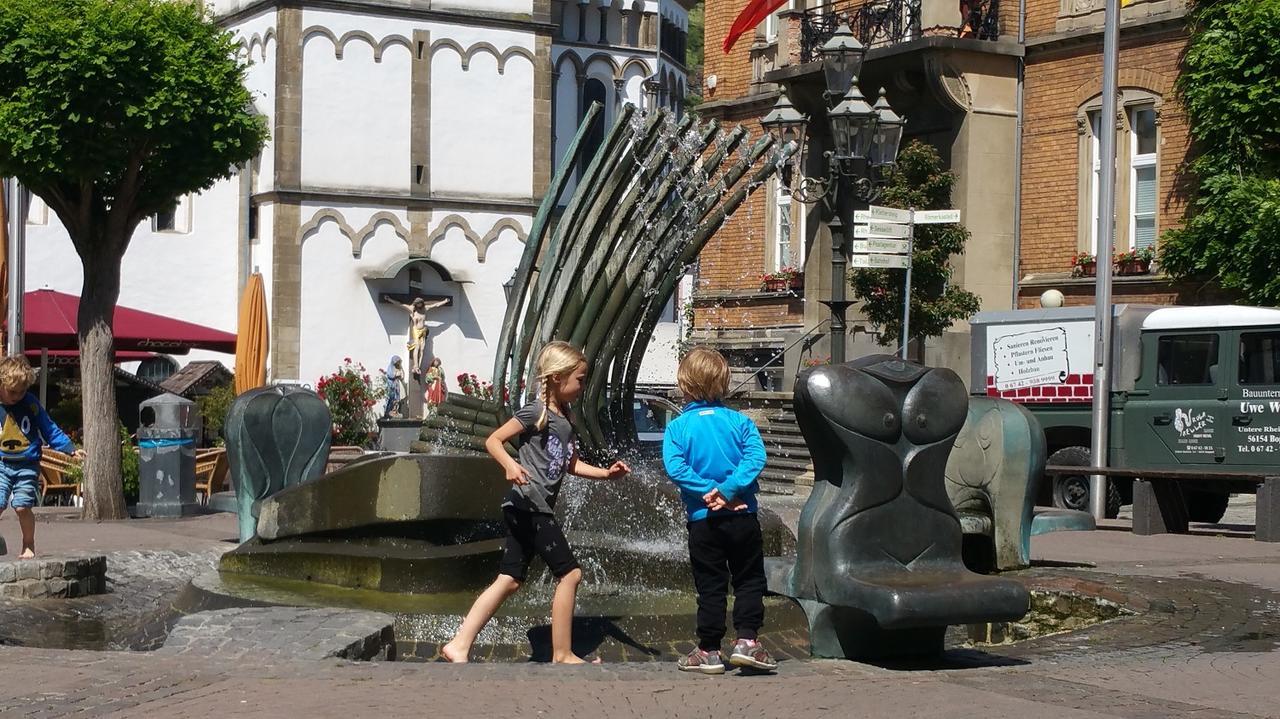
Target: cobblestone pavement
{"x": 1203, "y": 644}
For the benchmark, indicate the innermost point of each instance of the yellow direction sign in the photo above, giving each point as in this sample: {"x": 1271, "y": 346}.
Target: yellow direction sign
{"x": 880, "y": 261}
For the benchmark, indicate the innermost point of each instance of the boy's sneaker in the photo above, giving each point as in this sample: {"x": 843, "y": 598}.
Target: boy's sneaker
{"x": 751, "y": 653}
{"x": 700, "y": 661}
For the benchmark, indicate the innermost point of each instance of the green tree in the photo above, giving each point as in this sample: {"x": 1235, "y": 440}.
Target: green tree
{"x": 693, "y": 53}
{"x": 1230, "y": 87}
{"x": 110, "y": 110}
{"x": 921, "y": 183}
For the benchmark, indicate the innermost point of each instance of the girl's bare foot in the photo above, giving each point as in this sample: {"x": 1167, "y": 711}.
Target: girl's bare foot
{"x": 573, "y": 659}
{"x": 27, "y": 553}
{"x": 454, "y": 654}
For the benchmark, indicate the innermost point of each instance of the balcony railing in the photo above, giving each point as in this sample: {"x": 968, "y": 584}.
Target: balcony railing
{"x": 878, "y": 23}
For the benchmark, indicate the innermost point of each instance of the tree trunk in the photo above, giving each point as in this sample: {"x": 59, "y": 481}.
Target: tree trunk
{"x": 103, "y": 483}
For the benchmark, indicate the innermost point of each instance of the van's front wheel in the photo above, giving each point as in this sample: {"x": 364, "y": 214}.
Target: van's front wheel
{"x": 1071, "y": 491}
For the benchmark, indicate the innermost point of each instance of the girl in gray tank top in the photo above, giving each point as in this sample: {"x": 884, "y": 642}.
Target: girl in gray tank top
{"x": 546, "y": 453}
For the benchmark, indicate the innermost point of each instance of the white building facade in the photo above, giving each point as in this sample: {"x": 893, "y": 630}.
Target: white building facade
{"x": 411, "y": 143}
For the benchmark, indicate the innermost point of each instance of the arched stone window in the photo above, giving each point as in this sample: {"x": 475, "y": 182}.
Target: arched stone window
{"x": 592, "y": 91}
{"x": 1137, "y": 170}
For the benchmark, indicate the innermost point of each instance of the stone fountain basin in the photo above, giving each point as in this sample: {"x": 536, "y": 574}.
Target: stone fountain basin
{"x": 431, "y": 524}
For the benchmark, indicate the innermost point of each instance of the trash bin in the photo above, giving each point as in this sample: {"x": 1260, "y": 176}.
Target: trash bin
{"x": 167, "y": 431}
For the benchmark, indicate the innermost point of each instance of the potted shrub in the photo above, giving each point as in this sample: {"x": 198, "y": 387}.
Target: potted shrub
{"x": 1084, "y": 265}
{"x": 1135, "y": 262}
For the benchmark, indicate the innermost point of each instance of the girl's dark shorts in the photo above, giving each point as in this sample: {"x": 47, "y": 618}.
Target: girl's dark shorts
{"x": 530, "y": 534}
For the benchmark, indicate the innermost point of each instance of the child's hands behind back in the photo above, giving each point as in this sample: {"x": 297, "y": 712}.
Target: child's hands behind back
{"x": 716, "y": 502}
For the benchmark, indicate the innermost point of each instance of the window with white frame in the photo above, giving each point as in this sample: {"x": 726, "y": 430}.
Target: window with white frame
{"x": 1137, "y": 172}
{"x": 786, "y": 236}
{"x": 772, "y": 24}
{"x": 1142, "y": 176}
{"x": 782, "y": 227}
{"x": 174, "y": 219}
{"x": 1095, "y": 177}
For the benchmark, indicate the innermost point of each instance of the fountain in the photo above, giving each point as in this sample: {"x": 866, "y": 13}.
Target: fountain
{"x": 419, "y": 535}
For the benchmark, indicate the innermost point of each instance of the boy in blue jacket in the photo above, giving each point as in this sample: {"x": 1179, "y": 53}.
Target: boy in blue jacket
{"x": 714, "y": 455}
{"x": 24, "y": 428}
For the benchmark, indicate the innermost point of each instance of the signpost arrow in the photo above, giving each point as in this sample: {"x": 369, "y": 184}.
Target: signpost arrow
{"x": 875, "y": 213}
{"x": 881, "y": 229}
{"x": 881, "y": 261}
{"x": 879, "y": 245}
{"x": 936, "y": 217}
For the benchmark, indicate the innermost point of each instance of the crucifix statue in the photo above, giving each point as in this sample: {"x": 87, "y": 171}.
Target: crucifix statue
{"x": 417, "y": 343}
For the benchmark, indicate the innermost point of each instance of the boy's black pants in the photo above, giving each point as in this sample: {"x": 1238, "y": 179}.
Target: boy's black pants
{"x": 725, "y": 548}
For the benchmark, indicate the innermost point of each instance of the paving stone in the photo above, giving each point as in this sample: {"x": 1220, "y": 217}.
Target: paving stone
{"x": 283, "y": 633}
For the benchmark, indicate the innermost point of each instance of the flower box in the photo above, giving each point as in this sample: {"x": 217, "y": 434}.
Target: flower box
{"x": 1088, "y": 269}
{"x": 1133, "y": 267}
{"x": 775, "y": 284}
{"x": 796, "y": 283}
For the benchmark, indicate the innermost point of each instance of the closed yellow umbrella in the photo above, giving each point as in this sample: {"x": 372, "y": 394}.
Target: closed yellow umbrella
{"x": 251, "y": 337}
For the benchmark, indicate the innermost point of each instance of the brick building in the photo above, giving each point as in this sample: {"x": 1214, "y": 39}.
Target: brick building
{"x": 956, "y": 79}
{"x": 1060, "y": 145}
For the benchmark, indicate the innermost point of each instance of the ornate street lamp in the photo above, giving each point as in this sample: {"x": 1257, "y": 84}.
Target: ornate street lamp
{"x": 888, "y": 135}
{"x": 853, "y": 125}
{"x": 865, "y": 142}
{"x": 841, "y": 60}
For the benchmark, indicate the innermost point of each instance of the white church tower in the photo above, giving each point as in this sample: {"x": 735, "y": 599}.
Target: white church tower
{"x": 411, "y": 143}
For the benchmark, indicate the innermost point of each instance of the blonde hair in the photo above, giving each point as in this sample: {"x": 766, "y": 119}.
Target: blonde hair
{"x": 16, "y": 373}
{"x": 704, "y": 375}
{"x": 555, "y": 359}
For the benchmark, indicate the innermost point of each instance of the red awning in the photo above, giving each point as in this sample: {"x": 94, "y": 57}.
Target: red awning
{"x": 50, "y": 322}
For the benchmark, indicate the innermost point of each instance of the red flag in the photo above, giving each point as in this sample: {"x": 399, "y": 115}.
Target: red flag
{"x": 753, "y": 14}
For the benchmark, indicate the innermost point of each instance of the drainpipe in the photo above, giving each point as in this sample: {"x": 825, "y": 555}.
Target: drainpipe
{"x": 1017, "y": 153}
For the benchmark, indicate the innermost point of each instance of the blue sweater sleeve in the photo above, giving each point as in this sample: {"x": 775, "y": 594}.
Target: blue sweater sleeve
{"x": 743, "y": 479}
{"x": 52, "y": 434}
{"x": 673, "y": 458}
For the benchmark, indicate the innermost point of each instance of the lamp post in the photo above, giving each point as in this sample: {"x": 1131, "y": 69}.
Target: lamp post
{"x": 864, "y": 142}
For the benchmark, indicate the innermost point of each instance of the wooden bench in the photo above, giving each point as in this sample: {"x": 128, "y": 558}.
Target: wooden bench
{"x": 55, "y": 475}
{"x": 1158, "y": 504}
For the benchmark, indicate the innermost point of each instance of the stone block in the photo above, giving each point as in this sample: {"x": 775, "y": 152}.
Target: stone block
{"x": 34, "y": 589}
{"x": 12, "y": 590}
{"x": 8, "y": 572}
{"x": 414, "y": 488}
{"x": 28, "y": 570}
{"x": 51, "y": 568}
{"x": 56, "y": 587}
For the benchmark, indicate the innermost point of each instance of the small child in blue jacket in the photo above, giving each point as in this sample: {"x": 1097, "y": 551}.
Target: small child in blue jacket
{"x": 24, "y": 428}
{"x": 714, "y": 455}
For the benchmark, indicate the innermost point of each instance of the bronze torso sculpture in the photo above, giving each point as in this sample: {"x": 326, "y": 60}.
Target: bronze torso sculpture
{"x": 878, "y": 566}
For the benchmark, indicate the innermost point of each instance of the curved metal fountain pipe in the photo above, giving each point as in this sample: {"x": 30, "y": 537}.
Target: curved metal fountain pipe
{"x": 532, "y": 248}
{"x": 625, "y": 227}
{"x": 635, "y": 246}
{"x": 525, "y": 349}
{"x": 639, "y": 278}
{"x": 624, "y": 270}
{"x": 638, "y": 283}
{"x": 644, "y": 330}
{"x": 590, "y": 236}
